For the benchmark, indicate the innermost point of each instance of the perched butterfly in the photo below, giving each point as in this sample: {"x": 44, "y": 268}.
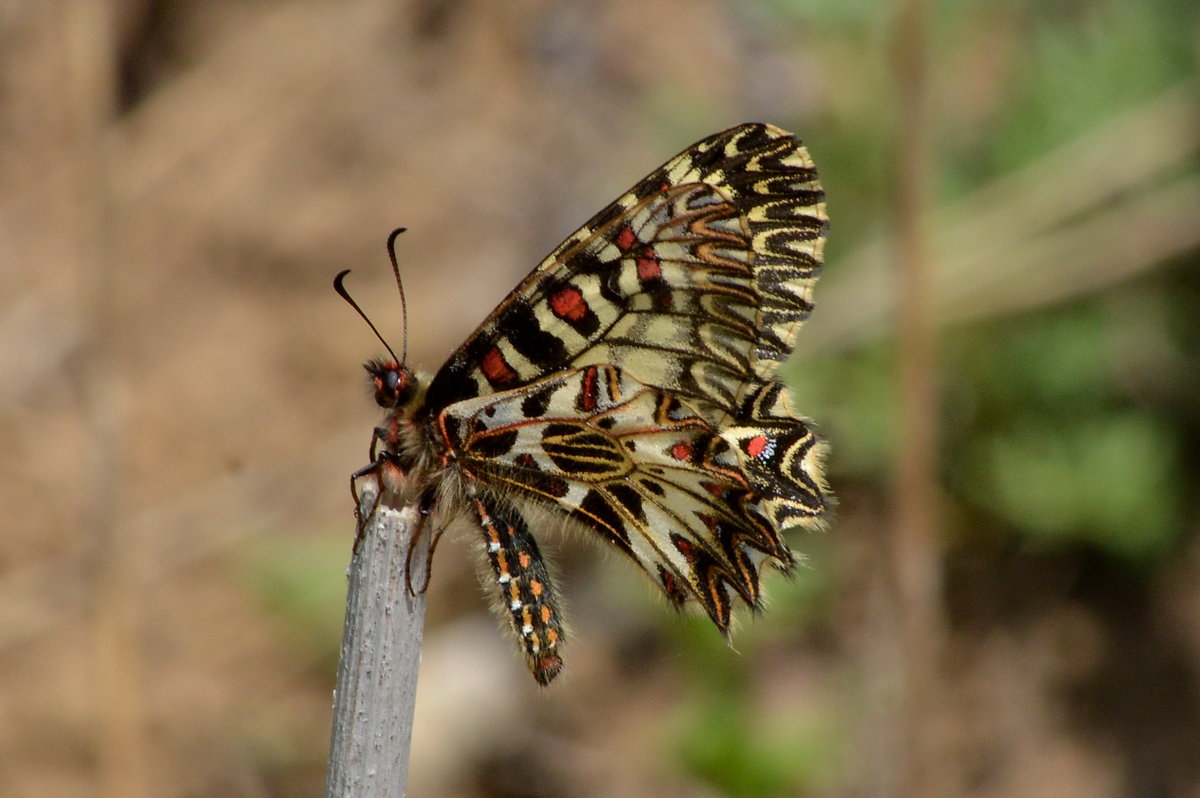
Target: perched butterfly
{"x": 627, "y": 386}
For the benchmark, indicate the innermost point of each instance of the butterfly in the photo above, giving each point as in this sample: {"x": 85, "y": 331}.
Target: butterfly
{"x": 627, "y": 387}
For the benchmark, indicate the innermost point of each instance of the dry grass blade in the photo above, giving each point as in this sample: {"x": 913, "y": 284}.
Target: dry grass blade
{"x": 1092, "y": 212}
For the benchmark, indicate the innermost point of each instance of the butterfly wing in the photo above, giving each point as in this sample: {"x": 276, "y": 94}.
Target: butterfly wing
{"x": 633, "y": 463}
{"x": 628, "y": 382}
{"x": 695, "y": 282}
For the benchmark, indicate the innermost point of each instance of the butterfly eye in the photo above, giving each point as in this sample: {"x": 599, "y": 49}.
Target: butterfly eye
{"x": 392, "y": 382}
{"x": 390, "y": 386}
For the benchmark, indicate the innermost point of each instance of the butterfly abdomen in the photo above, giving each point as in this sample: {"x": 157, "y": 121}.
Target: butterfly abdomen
{"x": 526, "y": 596}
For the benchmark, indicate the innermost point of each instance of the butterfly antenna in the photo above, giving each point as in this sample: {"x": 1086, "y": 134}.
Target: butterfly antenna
{"x": 344, "y": 294}
{"x": 391, "y": 247}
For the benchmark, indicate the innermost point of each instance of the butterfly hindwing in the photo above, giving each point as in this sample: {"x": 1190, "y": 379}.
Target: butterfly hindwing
{"x": 631, "y": 462}
{"x": 781, "y": 456}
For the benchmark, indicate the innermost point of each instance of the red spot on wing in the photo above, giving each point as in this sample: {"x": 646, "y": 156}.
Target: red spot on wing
{"x": 756, "y": 445}
{"x": 626, "y": 238}
{"x": 682, "y": 451}
{"x": 568, "y": 303}
{"x": 496, "y": 368}
{"x": 648, "y": 267}
{"x": 671, "y": 585}
{"x": 589, "y": 397}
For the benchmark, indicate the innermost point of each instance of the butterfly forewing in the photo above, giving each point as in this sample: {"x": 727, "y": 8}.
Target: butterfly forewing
{"x": 725, "y": 238}
{"x": 626, "y": 387}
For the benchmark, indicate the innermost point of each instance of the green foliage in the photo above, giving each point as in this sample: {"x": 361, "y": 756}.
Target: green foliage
{"x": 1109, "y": 480}
{"x": 1045, "y": 441}
{"x": 1081, "y": 68}
{"x": 294, "y": 580}
{"x": 742, "y": 754}
{"x": 719, "y": 735}
{"x": 1037, "y": 429}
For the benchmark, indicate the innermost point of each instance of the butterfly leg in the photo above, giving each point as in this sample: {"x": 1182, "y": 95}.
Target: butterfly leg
{"x": 377, "y": 461}
{"x": 433, "y": 544}
{"x": 428, "y": 501}
{"x": 528, "y": 598}
{"x": 362, "y": 519}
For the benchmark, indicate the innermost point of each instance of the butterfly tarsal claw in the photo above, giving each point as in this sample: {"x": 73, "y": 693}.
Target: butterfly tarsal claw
{"x": 628, "y": 385}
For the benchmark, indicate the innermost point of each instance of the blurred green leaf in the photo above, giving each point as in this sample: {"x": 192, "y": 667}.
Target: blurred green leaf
{"x": 750, "y": 756}
{"x": 852, "y": 399}
{"x": 303, "y": 583}
{"x": 1111, "y": 480}
{"x": 1080, "y": 64}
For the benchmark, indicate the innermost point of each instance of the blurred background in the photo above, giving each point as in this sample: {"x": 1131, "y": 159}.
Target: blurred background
{"x": 1004, "y": 357}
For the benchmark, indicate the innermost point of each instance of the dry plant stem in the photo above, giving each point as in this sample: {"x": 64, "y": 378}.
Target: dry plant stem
{"x": 381, "y": 652}
{"x": 119, "y": 736}
{"x": 914, "y": 553}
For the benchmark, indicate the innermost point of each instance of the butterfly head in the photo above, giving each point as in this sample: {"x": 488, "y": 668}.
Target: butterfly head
{"x": 394, "y": 383}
